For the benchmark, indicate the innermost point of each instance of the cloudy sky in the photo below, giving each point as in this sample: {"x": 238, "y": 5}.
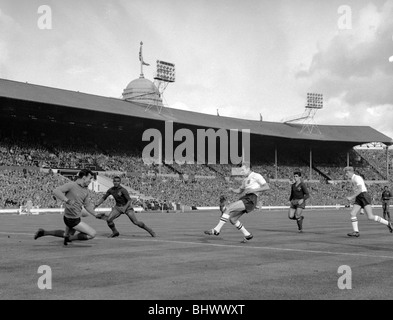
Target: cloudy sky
{"x": 243, "y": 57}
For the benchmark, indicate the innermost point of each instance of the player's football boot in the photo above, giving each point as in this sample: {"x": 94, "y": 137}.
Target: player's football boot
{"x": 39, "y": 234}
{"x": 390, "y": 227}
{"x": 67, "y": 240}
{"x": 300, "y": 223}
{"x": 247, "y": 238}
{"x": 354, "y": 234}
{"x": 212, "y": 232}
{"x": 152, "y": 233}
{"x": 114, "y": 235}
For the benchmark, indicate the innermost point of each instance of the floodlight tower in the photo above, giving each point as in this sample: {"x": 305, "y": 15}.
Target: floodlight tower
{"x": 314, "y": 103}
{"x": 165, "y": 75}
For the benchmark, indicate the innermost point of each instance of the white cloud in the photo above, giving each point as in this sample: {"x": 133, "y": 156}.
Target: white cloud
{"x": 262, "y": 57}
{"x": 354, "y": 73}
{"x": 7, "y": 27}
{"x": 77, "y": 70}
{"x": 4, "y": 53}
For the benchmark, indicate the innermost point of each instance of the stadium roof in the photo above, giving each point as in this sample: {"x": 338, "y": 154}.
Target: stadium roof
{"x": 40, "y": 94}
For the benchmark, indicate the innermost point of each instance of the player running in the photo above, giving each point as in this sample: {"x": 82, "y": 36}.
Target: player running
{"x": 385, "y": 197}
{"x": 253, "y": 183}
{"x": 362, "y": 200}
{"x": 123, "y": 206}
{"x": 75, "y": 196}
{"x": 298, "y": 197}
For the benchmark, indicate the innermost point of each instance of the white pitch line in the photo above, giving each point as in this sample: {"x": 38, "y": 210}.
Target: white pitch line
{"x": 246, "y": 246}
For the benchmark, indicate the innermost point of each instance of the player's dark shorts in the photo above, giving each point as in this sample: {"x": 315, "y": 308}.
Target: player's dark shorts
{"x": 363, "y": 199}
{"x": 250, "y": 201}
{"x": 71, "y": 223}
{"x": 117, "y": 211}
{"x": 295, "y": 204}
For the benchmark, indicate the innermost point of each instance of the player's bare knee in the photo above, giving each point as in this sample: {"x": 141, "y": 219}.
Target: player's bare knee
{"x": 233, "y": 220}
{"x": 228, "y": 210}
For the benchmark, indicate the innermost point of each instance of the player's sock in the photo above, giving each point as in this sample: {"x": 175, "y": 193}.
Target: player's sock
{"x": 381, "y": 220}
{"x": 111, "y": 225}
{"x": 241, "y": 227}
{"x": 54, "y": 233}
{"x": 140, "y": 224}
{"x": 354, "y": 221}
{"x": 223, "y": 220}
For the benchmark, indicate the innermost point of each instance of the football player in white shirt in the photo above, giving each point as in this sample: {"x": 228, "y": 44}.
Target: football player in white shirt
{"x": 362, "y": 201}
{"x": 252, "y": 185}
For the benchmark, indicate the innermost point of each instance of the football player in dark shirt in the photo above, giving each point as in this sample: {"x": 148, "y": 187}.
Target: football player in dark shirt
{"x": 123, "y": 205}
{"x": 298, "y": 197}
{"x": 386, "y": 196}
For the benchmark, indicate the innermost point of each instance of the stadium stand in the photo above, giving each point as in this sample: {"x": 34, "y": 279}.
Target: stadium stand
{"x": 20, "y": 185}
{"x": 48, "y": 128}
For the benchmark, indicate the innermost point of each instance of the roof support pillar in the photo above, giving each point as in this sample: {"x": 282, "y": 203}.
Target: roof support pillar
{"x": 310, "y": 176}
{"x": 387, "y": 163}
{"x": 275, "y": 162}
{"x": 347, "y": 159}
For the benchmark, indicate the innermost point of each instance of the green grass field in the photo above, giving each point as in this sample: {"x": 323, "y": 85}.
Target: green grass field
{"x": 182, "y": 263}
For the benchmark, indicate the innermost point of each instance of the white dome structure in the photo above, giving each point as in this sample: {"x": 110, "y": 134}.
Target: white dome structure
{"x": 142, "y": 91}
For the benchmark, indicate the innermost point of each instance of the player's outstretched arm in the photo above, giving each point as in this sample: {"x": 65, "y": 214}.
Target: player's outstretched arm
{"x": 90, "y": 209}
{"x": 306, "y": 193}
{"x": 99, "y": 202}
{"x": 357, "y": 192}
{"x": 60, "y": 192}
{"x": 104, "y": 197}
{"x": 238, "y": 190}
{"x": 265, "y": 187}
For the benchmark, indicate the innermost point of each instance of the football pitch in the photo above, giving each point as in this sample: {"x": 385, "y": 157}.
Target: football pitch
{"x": 182, "y": 263}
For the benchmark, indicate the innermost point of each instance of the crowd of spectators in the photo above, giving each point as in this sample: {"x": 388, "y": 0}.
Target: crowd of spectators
{"x": 189, "y": 184}
{"x": 377, "y": 159}
{"x": 19, "y": 186}
{"x": 29, "y": 152}
{"x": 206, "y": 192}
